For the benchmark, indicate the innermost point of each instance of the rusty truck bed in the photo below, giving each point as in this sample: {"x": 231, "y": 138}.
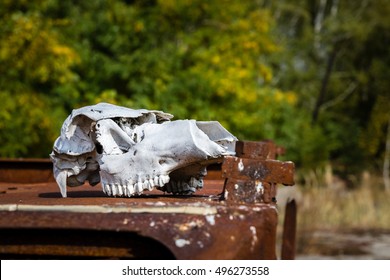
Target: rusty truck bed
{"x": 222, "y": 221}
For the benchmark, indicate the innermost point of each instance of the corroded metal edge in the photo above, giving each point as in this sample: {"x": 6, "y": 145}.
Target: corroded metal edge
{"x": 187, "y": 209}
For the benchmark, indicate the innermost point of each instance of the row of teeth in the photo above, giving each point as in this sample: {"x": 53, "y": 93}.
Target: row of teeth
{"x": 183, "y": 187}
{"x": 130, "y": 189}
{"x": 160, "y": 182}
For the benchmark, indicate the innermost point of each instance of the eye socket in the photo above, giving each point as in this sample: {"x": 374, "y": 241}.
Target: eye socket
{"x": 162, "y": 161}
{"x": 99, "y": 148}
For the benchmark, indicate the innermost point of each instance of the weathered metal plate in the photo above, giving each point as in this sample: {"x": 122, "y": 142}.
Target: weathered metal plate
{"x": 190, "y": 227}
{"x": 26, "y": 170}
{"x": 256, "y": 150}
{"x": 271, "y": 171}
{"x": 247, "y": 191}
{"x": 232, "y": 217}
{"x": 289, "y": 231}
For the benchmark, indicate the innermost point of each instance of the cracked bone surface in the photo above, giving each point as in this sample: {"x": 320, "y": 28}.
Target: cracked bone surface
{"x": 131, "y": 151}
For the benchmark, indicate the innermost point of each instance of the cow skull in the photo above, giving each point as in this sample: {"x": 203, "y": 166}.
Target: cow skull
{"x": 130, "y": 151}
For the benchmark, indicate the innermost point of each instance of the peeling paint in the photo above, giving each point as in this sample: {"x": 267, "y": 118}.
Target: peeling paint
{"x": 259, "y": 187}
{"x": 190, "y": 225}
{"x": 240, "y": 166}
{"x": 211, "y": 219}
{"x": 254, "y": 237}
{"x": 181, "y": 242}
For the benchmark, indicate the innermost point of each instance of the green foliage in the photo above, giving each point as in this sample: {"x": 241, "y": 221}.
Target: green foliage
{"x": 354, "y": 109}
{"x": 258, "y": 67}
{"x": 27, "y": 127}
{"x": 35, "y": 76}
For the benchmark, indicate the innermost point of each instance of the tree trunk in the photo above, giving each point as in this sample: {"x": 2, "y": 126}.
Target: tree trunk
{"x": 324, "y": 84}
{"x": 386, "y": 161}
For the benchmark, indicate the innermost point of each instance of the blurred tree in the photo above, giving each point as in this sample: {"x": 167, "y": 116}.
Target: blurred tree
{"x": 312, "y": 75}
{"x": 35, "y": 66}
{"x": 336, "y": 59}
{"x": 190, "y": 58}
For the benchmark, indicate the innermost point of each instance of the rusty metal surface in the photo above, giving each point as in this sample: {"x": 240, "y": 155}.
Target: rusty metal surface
{"x": 196, "y": 227}
{"x": 272, "y": 171}
{"x": 252, "y": 175}
{"x": 256, "y": 150}
{"x": 36, "y": 222}
{"x": 289, "y": 231}
{"x": 251, "y": 178}
{"x": 26, "y": 170}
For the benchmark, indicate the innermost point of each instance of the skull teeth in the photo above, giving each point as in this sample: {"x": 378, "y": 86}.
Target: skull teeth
{"x": 151, "y": 183}
{"x": 107, "y": 189}
{"x": 129, "y": 189}
{"x": 183, "y": 187}
{"x": 147, "y": 186}
{"x": 113, "y": 190}
{"x": 165, "y": 178}
{"x": 161, "y": 182}
{"x": 138, "y": 188}
{"x": 196, "y": 183}
{"x": 120, "y": 190}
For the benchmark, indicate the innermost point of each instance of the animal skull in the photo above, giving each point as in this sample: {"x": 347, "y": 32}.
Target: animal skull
{"x": 130, "y": 151}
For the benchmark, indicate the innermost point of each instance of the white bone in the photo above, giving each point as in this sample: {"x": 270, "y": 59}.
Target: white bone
{"x": 130, "y": 151}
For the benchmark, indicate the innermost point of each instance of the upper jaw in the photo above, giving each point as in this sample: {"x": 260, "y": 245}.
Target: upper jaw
{"x": 129, "y": 187}
{"x": 161, "y": 182}
{"x": 148, "y": 163}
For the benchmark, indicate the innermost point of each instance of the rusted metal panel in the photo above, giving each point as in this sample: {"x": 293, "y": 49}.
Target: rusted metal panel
{"x": 191, "y": 227}
{"x": 251, "y": 178}
{"x": 230, "y": 233}
{"x": 233, "y": 217}
{"x": 256, "y": 150}
{"x": 26, "y": 170}
{"x": 272, "y": 171}
{"x": 289, "y": 231}
{"x": 247, "y": 191}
